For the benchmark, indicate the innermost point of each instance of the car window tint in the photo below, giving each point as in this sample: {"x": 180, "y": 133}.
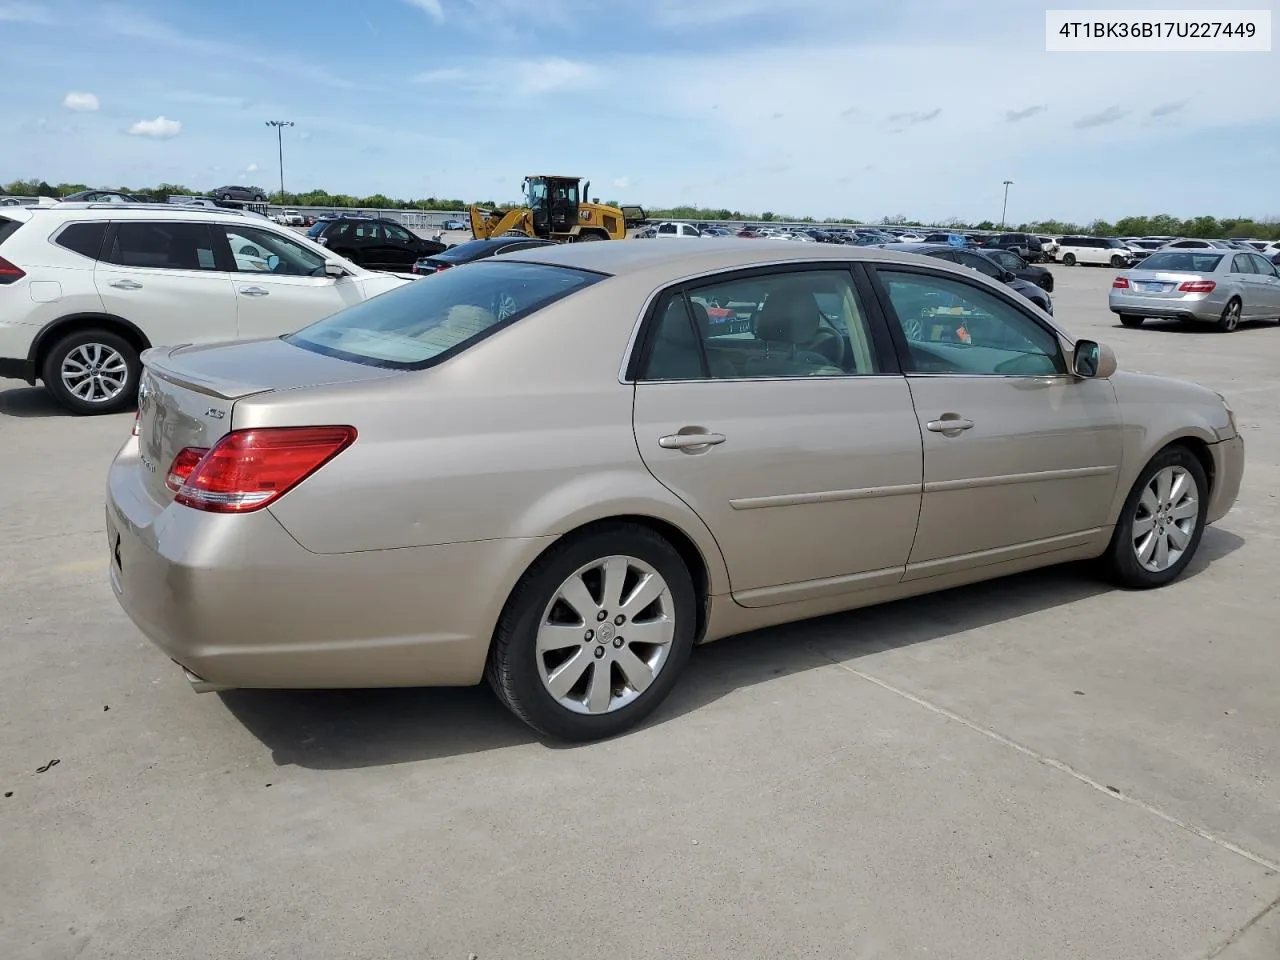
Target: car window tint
{"x": 1260, "y": 265}
{"x": 414, "y": 325}
{"x": 780, "y": 325}
{"x": 398, "y": 234}
{"x": 954, "y": 327}
{"x": 980, "y": 263}
{"x": 261, "y": 251}
{"x": 1241, "y": 263}
{"x": 1181, "y": 261}
{"x": 165, "y": 244}
{"x": 83, "y": 238}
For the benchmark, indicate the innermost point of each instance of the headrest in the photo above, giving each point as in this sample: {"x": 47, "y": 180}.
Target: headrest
{"x": 790, "y": 315}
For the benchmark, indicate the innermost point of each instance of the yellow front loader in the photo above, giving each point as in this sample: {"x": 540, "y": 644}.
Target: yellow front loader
{"x": 554, "y": 210}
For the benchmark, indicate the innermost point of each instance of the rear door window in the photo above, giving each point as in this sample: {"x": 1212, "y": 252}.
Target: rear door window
{"x": 1241, "y": 263}
{"x": 7, "y": 228}
{"x": 163, "y": 244}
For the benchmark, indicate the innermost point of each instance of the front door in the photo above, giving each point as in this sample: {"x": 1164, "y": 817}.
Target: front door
{"x": 1020, "y": 458}
{"x": 168, "y": 278}
{"x": 772, "y": 407}
{"x": 280, "y": 285}
{"x": 400, "y": 247}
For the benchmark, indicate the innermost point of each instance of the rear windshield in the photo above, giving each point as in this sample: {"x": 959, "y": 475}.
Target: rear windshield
{"x": 1182, "y": 261}
{"x": 317, "y": 228}
{"x": 427, "y": 321}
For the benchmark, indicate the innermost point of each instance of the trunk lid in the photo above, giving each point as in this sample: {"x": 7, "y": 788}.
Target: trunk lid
{"x": 1159, "y": 283}
{"x": 187, "y": 393}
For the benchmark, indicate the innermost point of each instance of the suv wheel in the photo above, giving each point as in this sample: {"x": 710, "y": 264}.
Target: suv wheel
{"x": 92, "y": 371}
{"x": 1117, "y": 261}
{"x": 1069, "y": 259}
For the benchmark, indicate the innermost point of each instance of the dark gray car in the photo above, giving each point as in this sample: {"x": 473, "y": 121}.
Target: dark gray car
{"x": 239, "y": 193}
{"x": 968, "y": 257}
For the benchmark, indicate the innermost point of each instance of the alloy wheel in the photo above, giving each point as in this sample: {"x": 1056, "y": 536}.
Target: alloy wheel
{"x": 94, "y": 373}
{"x": 606, "y": 635}
{"x": 1165, "y": 518}
{"x": 1231, "y": 316}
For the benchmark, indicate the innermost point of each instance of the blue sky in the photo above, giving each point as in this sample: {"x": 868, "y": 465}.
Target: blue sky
{"x": 858, "y": 108}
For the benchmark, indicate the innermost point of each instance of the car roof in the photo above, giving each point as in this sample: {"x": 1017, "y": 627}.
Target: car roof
{"x": 620, "y": 257}
{"x": 112, "y": 211}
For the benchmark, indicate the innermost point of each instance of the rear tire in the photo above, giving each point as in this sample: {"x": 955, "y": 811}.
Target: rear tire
{"x": 92, "y": 372}
{"x": 522, "y": 670}
{"x": 1069, "y": 259}
{"x": 1229, "y": 322}
{"x": 590, "y": 237}
{"x": 1129, "y": 320}
{"x": 1147, "y": 518}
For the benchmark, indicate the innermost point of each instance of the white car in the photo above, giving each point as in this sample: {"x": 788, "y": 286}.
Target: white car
{"x": 676, "y": 229}
{"x": 292, "y": 218}
{"x": 86, "y": 287}
{"x": 1096, "y": 250}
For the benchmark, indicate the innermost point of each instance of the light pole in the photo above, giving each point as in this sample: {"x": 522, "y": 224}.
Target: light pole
{"x": 1003, "y": 210}
{"x": 280, "y": 125}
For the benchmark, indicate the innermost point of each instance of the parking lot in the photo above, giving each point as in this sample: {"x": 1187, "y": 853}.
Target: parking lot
{"x": 1036, "y": 767}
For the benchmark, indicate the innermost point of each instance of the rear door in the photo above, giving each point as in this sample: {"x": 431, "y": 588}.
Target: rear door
{"x": 787, "y": 429}
{"x": 1268, "y": 280}
{"x": 172, "y": 279}
{"x": 280, "y": 285}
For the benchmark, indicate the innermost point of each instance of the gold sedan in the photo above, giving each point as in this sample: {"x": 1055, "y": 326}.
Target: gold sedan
{"x": 562, "y": 468}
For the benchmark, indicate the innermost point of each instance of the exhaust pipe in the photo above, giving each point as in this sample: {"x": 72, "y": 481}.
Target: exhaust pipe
{"x": 200, "y": 684}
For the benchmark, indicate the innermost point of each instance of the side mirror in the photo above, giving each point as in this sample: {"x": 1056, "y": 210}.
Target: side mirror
{"x": 1092, "y": 360}
{"x": 332, "y": 268}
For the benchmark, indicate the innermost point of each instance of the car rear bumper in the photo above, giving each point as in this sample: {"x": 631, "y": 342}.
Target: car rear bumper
{"x": 237, "y": 602}
{"x": 1204, "y": 307}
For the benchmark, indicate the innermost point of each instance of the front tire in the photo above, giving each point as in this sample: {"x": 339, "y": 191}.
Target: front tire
{"x": 590, "y": 237}
{"x": 1161, "y": 523}
{"x": 1046, "y": 284}
{"x": 92, "y": 372}
{"x": 564, "y": 658}
{"x": 1129, "y": 320}
{"x": 1117, "y": 262}
{"x": 1069, "y": 259}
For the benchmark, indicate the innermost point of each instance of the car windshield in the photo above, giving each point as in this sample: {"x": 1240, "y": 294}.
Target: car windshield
{"x": 1182, "y": 261}
{"x": 317, "y": 228}
{"x": 424, "y": 322}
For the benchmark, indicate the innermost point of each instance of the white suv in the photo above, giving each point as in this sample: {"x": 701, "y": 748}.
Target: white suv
{"x": 1096, "y": 250}
{"x": 86, "y": 287}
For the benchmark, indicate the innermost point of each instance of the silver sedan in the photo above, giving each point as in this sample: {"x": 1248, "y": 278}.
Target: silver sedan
{"x": 1216, "y": 286}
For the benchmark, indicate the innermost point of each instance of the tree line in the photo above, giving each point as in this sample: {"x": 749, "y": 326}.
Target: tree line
{"x": 1159, "y": 225}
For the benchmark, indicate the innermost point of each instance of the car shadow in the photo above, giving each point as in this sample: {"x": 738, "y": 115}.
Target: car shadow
{"x": 348, "y": 729}
{"x": 24, "y": 402}
{"x": 1198, "y": 326}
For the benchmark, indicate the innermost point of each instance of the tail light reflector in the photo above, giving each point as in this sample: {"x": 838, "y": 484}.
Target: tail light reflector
{"x": 1120, "y": 283}
{"x": 1196, "y": 286}
{"x": 10, "y": 273}
{"x": 249, "y": 469}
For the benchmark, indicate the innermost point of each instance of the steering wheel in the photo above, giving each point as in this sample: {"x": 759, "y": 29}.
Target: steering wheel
{"x": 830, "y": 344}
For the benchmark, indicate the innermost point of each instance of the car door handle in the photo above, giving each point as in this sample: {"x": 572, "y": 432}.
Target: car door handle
{"x": 687, "y": 441}
{"x": 125, "y": 284}
{"x": 949, "y": 423}
{"x": 254, "y": 291}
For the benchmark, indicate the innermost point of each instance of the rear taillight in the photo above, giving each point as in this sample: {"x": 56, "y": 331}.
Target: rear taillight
{"x": 137, "y": 422}
{"x": 248, "y": 469}
{"x": 10, "y": 273}
{"x": 1120, "y": 283}
{"x": 183, "y": 464}
{"x": 1196, "y": 286}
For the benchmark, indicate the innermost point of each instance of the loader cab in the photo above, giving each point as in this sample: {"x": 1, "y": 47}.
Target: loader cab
{"x": 554, "y": 202}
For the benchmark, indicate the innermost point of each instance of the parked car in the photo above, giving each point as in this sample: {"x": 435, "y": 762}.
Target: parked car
{"x": 565, "y": 501}
{"x": 1026, "y": 246}
{"x": 239, "y": 193}
{"x": 676, "y": 230}
{"x": 376, "y": 243}
{"x": 1193, "y": 243}
{"x": 100, "y": 196}
{"x": 1040, "y": 276}
{"x": 129, "y": 276}
{"x": 1095, "y": 250}
{"x": 979, "y": 261}
{"x": 455, "y": 224}
{"x": 475, "y": 250}
{"x": 1221, "y": 287}
{"x": 945, "y": 237}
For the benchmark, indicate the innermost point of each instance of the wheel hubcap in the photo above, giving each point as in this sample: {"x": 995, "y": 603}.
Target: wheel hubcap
{"x": 1233, "y": 316}
{"x": 606, "y": 635}
{"x": 1165, "y": 518}
{"x": 94, "y": 373}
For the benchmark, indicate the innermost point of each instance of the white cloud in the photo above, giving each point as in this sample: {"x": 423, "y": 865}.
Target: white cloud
{"x": 431, "y": 8}
{"x": 441, "y": 75}
{"x": 80, "y": 102}
{"x": 251, "y": 168}
{"x": 552, "y": 73}
{"x": 622, "y": 183}
{"x": 161, "y": 128}
{"x": 24, "y": 13}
